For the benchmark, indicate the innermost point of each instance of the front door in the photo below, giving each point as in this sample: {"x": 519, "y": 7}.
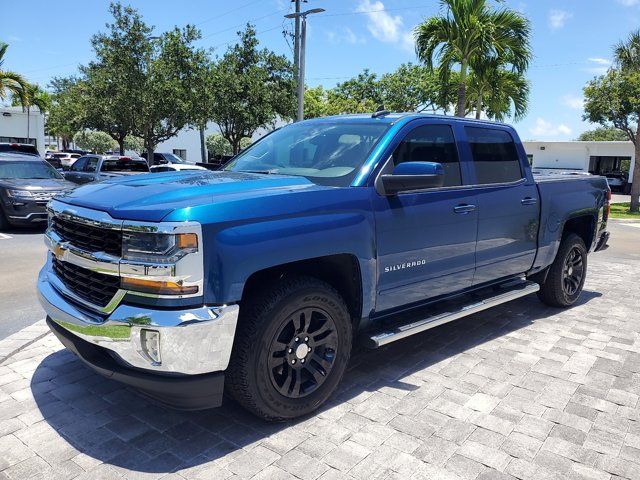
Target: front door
{"x": 426, "y": 239}
{"x": 508, "y": 205}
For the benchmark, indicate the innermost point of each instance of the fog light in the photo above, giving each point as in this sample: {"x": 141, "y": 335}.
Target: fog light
{"x": 150, "y": 340}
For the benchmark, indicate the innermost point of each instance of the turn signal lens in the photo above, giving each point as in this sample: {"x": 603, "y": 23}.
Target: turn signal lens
{"x": 158, "y": 288}
{"x": 187, "y": 240}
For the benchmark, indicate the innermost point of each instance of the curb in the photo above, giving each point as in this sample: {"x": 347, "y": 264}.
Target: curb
{"x": 18, "y": 341}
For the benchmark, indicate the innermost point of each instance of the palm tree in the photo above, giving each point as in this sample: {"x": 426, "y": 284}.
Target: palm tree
{"x": 627, "y": 53}
{"x": 32, "y": 96}
{"x": 498, "y": 90}
{"x": 472, "y": 31}
{"x": 11, "y": 83}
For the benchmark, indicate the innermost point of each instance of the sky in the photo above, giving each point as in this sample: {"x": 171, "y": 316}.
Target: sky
{"x": 572, "y": 41}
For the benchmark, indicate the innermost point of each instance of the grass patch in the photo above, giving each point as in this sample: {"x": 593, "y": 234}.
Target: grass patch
{"x": 621, "y": 210}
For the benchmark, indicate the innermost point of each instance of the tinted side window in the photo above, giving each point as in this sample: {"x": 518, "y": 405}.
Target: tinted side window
{"x": 495, "y": 157}
{"x": 431, "y": 143}
{"x": 92, "y": 164}
{"x": 79, "y": 164}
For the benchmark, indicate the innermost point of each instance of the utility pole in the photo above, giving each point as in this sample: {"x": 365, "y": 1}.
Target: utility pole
{"x": 296, "y": 40}
{"x": 299, "y": 54}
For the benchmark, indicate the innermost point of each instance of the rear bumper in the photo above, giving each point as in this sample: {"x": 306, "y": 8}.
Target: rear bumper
{"x": 188, "y": 392}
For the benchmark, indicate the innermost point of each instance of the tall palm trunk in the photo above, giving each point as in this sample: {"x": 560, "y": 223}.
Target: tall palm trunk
{"x": 479, "y": 106}
{"x": 28, "y": 123}
{"x": 462, "y": 88}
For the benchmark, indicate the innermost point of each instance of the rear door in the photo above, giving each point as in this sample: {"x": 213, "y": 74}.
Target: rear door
{"x": 508, "y": 204}
{"x": 426, "y": 239}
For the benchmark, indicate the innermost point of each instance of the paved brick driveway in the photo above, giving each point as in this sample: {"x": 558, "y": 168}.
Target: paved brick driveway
{"x": 520, "y": 391}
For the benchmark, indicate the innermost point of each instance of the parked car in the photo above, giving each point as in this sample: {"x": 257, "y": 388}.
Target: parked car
{"x": 160, "y": 158}
{"x": 27, "y": 183}
{"x": 260, "y": 277}
{"x": 66, "y": 159}
{"x": 617, "y": 181}
{"x": 96, "y": 168}
{"x": 174, "y": 167}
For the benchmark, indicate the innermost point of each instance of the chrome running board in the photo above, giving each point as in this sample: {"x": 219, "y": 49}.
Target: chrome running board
{"x": 514, "y": 290}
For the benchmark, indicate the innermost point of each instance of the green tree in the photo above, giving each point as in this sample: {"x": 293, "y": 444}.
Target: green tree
{"x": 65, "y": 113}
{"x": 603, "y": 134}
{"x": 134, "y": 143}
{"x": 498, "y": 91}
{"x": 468, "y": 33}
{"x": 32, "y": 96}
{"x": 11, "y": 83}
{"x": 614, "y": 100}
{"x": 253, "y": 88}
{"x": 315, "y": 102}
{"x": 412, "y": 88}
{"x": 217, "y": 145}
{"x": 94, "y": 141}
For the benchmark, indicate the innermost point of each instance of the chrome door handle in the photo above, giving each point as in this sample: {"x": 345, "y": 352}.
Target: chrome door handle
{"x": 529, "y": 201}
{"x": 464, "y": 208}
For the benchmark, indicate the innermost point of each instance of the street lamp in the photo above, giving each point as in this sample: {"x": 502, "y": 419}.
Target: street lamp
{"x": 303, "y": 36}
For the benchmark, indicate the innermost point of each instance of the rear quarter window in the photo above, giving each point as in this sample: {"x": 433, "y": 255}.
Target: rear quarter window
{"x": 124, "y": 166}
{"x": 495, "y": 157}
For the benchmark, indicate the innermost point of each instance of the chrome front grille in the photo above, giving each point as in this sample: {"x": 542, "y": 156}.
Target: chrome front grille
{"x": 96, "y": 288}
{"x": 87, "y": 237}
{"x": 43, "y": 196}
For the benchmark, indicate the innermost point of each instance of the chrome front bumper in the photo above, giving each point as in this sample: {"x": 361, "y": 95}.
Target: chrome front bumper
{"x": 191, "y": 341}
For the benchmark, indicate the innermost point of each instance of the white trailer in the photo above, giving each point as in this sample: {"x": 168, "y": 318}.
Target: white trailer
{"x": 14, "y": 123}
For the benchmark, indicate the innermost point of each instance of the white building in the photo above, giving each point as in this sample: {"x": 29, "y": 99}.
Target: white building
{"x": 14, "y": 123}
{"x": 598, "y": 158}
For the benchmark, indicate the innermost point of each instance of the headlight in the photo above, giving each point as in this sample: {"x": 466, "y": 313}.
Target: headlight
{"x": 158, "y": 247}
{"x": 20, "y": 193}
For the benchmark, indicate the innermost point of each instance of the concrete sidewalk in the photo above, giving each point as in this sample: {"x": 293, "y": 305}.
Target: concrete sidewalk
{"x": 521, "y": 391}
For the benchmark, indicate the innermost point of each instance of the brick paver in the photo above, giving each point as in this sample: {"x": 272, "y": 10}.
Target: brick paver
{"x": 521, "y": 391}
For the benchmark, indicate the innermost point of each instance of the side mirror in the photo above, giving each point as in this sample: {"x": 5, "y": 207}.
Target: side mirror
{"x": 412, "y": 176}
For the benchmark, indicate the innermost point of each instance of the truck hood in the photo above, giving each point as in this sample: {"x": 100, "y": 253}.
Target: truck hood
{"x": 151, "y": 197}
{"x": 36, "y": 184}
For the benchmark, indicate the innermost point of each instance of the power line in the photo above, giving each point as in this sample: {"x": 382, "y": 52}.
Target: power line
{"x": 227, "y": 12}
{"x": 243, "y": 24}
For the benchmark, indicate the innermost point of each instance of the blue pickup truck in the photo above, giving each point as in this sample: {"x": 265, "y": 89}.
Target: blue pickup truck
{"x": 258, "y": 279}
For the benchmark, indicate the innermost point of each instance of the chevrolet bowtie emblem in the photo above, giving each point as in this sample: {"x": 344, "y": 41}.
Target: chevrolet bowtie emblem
{"x": 58, "y": 250}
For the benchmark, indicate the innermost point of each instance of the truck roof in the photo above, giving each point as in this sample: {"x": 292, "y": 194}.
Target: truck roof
{"x": 394, "y": 117}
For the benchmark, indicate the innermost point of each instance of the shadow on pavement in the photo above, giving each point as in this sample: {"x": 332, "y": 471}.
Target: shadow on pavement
{"x": 115, "y": 425}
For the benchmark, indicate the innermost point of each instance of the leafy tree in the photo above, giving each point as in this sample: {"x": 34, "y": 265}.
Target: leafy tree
{"x": 32, "y": 96}
{"x": 468, "y": 33}
{"x": 253, "y": 88}
{"x": 94, "y": 141}
{"x": 217, "y": 145}
{"x": 315, "y": 102}
{"x": 11, "y": 83}
{"x": 603, "y": 134}
{"x": 412, "y": 88}
{"x": 65, "y": 114}
{"x": 614, "y": 100}
{"x": 357, "y": 95}
{"x": 133, "y": 143}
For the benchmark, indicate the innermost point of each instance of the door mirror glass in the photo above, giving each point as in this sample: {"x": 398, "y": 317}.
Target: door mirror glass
{"x": 409, "y": 176}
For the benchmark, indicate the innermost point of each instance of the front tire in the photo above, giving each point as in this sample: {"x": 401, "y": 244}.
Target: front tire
{"x": 567, "y": 274}
{"x": 4, "y": 223}
{"x": 291, "y": 349}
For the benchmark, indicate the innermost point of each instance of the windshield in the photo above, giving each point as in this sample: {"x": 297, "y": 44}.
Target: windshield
{"x": 326, "y": 153}
{"x": 27, "y": 170}
{"x": 21, "y": 148}
{"x": 173, "y": 158}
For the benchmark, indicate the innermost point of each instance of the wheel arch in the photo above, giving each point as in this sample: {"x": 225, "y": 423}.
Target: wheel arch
{"x": 341, "y": 271}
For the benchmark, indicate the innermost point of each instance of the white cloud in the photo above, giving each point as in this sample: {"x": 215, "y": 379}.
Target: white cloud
{"x": 557, "y": 18}
{"x": 382, "y": 25}
{"x": 629, "y": 3}
{"x": 543, "y": 128}
{"x": 599, "y": 65}
{"x": 573, "y": 101}
{"x": 346, "y": 35}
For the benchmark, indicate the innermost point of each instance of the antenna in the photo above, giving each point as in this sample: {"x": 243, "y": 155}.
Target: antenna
{"x": 380, "y": 112}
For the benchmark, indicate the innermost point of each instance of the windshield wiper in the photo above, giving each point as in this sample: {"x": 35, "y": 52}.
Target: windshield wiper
{"x": 264, "y": 172}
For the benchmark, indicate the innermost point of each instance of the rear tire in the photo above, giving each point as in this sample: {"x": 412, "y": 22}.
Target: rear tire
{"x": 567, "y": 274}
{"x": 291, "y": 349}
